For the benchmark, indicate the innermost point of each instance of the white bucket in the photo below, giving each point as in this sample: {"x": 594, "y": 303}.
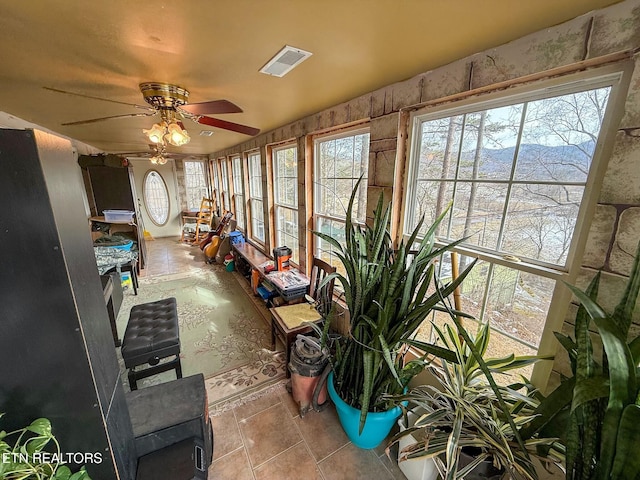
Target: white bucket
{"x": 415, "y": 468}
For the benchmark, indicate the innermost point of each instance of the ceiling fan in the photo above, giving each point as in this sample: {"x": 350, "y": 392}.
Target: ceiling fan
{"x": 170, "y": 101}
{"x": 158, "y": 154}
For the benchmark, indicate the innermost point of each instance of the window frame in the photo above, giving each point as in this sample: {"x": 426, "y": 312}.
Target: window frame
{"x": 147, "y": 174}
{"x": 362, "y": 129}
{"x": 617, "y": 76}
{"x": 215, "y": 183}
{"x": 225, "y": 192}
{"x": 238, "y": 195}
{"x": 278, "y": 234}
{"x": 205, "y": 177}
{"x": 255, "y": 203}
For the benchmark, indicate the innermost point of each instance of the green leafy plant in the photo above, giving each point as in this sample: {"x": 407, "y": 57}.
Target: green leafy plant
{"x": 388, "y": 293}
{"x": 25, "y": 458}
{"x": 597, "y": 410}
{"x": 468, "y": 413}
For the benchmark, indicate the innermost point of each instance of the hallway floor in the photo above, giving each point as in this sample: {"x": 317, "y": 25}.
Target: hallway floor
{"x": 266, "y": 438}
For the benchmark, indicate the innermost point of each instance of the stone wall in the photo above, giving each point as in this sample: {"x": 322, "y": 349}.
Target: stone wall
{"x": 615, "y": 227}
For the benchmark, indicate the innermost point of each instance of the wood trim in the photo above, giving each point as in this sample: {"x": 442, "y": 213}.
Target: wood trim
{"x": 271, "y": 205}
{"x": 545, "y": 74}
{"x": 399, "y": 178}
{"x": 307, "y": 142}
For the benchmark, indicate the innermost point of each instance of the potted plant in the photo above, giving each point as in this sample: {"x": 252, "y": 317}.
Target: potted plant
{"x": 388, "y": 293}
{"x": 26, "y": 458}
{"x": 596, "y": 412}
{"x": 467, "y": 426}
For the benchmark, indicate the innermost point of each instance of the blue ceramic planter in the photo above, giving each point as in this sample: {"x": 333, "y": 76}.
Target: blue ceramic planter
{"x": 376, "y": 427}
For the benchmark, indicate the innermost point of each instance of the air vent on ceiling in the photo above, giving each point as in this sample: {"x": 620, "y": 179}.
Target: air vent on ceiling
{"x": 284, "y": 61}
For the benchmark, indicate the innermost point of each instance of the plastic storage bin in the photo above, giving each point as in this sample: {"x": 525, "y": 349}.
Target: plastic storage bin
{"x": 126, "y": 246}
{"x": 124, "y": 216}
{"x": 236, "y": 238}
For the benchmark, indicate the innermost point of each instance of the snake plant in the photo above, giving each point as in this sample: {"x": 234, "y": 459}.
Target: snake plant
{"x": 599, "y": 406}
{"x": 467, "y": 413}
{"x": 388, "y": 292}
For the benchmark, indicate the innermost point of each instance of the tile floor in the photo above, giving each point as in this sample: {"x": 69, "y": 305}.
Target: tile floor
{"x": 266, "y": 438}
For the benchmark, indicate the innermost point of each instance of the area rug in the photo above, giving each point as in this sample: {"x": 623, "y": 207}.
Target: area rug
{"x": 224, "y": 332}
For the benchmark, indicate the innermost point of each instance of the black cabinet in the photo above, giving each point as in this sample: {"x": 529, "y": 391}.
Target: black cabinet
{"x": 58, "y": 358}
{"x": 113, "y": 188}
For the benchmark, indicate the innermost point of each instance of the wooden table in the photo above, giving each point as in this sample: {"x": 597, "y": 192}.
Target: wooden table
{"x": 284, "y": 284}
{"x": 289, "y": 321}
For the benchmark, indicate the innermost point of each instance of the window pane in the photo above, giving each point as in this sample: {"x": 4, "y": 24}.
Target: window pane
{"x": 217, "y": 187}
{"x": 239, "y": 206}
{"x": 156, "y": 198}
{"x": 225, "y": 185}
{"x": 255, "y": 197}
{"x": 440, "y": 141}
{"x": 518, "y": 303}
{"x": 541, "y": 220}
{"x": 559, "y": 136}
{"x": 238, "y": 191}
{"x": 195, "y": 183}
{"x": 324, "y": 250}
{"x": 257, "y": 219}
{"x": 255, "y": 176}
{"x": 339, "y": 164}
{"x": 286, "y": 199}
{"x": 477, "y": 213}
{"x": 287, "y": 230}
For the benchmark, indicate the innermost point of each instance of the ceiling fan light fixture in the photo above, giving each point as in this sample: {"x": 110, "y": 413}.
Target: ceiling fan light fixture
{"x": 171, "y": 133}
{"x": 156, "y": 133}
{"x": 158, "y": 160}
{"x": 176, "y": 135}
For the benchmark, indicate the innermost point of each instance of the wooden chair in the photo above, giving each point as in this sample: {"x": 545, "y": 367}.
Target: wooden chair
{"x": 194, "y": 228}
{"x": 288, "y": 321}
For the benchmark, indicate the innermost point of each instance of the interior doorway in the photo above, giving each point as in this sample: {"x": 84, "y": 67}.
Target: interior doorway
{"x": 157, "y": 197}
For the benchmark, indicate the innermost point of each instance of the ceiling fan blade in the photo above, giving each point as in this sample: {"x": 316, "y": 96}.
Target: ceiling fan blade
{"x": 234, "y": 127}
{"x": 212, "y": 107}
{"x": 135, "y": 105}
{"x": 94, "y": 120}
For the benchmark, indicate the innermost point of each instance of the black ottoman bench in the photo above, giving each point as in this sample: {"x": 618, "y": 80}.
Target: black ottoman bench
{"x": 151, "y": 335}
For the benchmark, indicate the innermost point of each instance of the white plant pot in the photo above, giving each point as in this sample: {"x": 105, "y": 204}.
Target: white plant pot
{"x": 415, "y": 468}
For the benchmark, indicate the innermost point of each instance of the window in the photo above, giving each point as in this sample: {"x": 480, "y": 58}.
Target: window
{"x": 285, "y": 198}
{"x": 238, "y": 191}
{"x": 255, "y": 197}
{"x": 216, "y": 185}
{"x": 195, "y": 183}
{"x": 156, "y": 198}
{"x": 515, "y": 171}
{"x": 224, "y": 184}
{"x": 340, "y": 160}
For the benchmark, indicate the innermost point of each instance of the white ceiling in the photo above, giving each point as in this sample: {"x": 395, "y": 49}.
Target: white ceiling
{"x": 214, "y": 48}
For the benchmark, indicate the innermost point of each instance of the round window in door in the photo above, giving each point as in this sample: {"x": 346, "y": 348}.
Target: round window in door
{"x": 156, "y": 197}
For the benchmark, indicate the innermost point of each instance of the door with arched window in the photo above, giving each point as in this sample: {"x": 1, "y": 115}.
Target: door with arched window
{"x": 157, "y": 197}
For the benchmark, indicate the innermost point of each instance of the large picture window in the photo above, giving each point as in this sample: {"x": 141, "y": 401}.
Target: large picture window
{"x": 340, "y": 160}
{"x": 238, "y": 191}
{"x": 285, "y": 198}
{"x": 256, "y": 211}
{"x": 515, "y": 172}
